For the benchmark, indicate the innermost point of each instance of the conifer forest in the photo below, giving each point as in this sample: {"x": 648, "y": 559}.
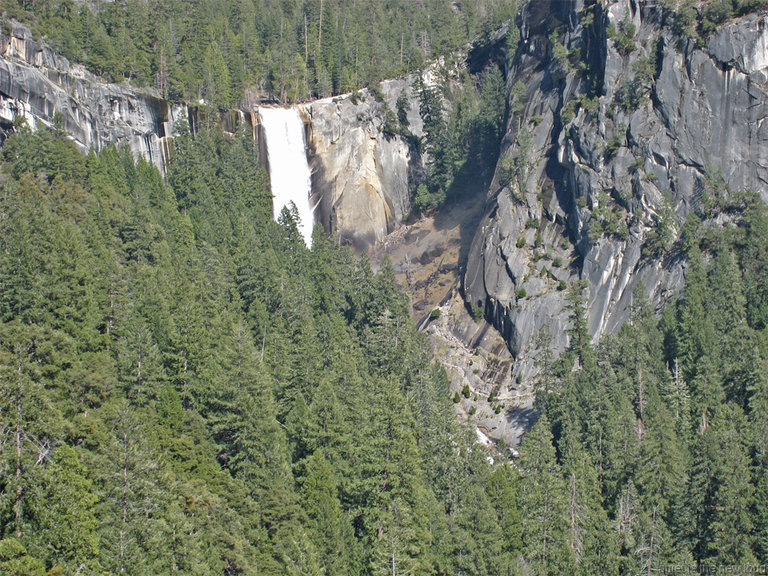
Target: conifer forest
{"x": 187, "y": 388}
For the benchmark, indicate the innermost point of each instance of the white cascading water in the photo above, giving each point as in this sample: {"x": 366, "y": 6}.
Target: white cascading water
{"x": 289, "y": 171}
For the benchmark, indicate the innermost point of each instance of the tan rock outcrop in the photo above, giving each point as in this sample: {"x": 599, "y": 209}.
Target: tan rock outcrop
{"x": 363, "y": 176}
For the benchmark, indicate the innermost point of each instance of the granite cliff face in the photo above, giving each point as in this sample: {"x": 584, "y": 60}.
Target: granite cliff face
{"x": 41, "y": 86}
{"x": 363, "y": 175}
{"x": 615, "y": 129}
{"x": 623, "y": 126}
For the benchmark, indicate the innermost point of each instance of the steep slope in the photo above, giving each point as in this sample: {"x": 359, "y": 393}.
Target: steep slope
{"x": 187, "y": 388}
{"x": 43, "y": 87}
{"x": 618, "y": 131}
{"x": 365, "y": 165}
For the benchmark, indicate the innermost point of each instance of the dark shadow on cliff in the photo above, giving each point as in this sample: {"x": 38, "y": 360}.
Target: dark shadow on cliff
{"x": 523, "y": 417}
{"x": 466, "y": 200}
{"x": 464, "y": 210}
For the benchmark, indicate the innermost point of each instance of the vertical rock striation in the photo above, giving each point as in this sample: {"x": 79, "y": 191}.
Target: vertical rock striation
{"x": 43, "y": 87}
{"x": 623, "y": 126}
{"x": 363, "y": 174}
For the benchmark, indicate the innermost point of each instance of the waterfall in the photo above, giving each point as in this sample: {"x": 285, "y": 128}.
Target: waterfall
{"x": 289, "y": 172}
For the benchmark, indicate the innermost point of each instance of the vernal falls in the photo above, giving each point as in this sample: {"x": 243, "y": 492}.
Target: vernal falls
{"x": 288, "y": 168}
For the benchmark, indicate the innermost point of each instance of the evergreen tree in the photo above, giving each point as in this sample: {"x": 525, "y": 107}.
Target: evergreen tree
{"x": 334, "y": 538}
{"x": 591, "y": 541}
{"x": 492, "y": 110}
{"x": 543, "y": 503}
{"x": 729, "y": 524}
{"x": 15, "y": 561}
{"x": 28, "y": 421}
{"x": 130, "y": 488}
{"x": 502, "y": 488}
{"x": 758, "y": 419}
{"x": 436, "y": 145}
{"x": 65, "y": 515}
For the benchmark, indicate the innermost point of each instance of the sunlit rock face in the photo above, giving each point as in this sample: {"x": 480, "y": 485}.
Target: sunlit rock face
{"x": 284, "y": 133}
{"x": 608, "y": 165}
{"x": 362, "y": 177}
{"x": 43, "y": 87}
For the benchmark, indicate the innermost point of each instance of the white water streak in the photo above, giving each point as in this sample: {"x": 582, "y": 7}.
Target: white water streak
{"x": 289, "y": 171}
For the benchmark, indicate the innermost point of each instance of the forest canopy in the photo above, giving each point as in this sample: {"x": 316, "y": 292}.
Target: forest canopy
{"x": 186, "y": 388}
{"x": 229, "y": 52}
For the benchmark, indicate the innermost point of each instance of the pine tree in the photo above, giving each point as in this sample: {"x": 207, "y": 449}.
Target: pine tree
{"x": 130, "y": 488}
{"x": 492, "y": 110}
{"x": 661, "y": 480}
{"x": 592, "y": 543}
{"x": 436, "y": 142}
{"x": 65, "y": 515}
{"x": 334, "y": 536}
{"x": 15, "y": 561}
{"x": 27, "y": 420}
{"x": 503, "y": 491}
{"x": 758, "y": 419}
{"x": 479, "y": 540}
{"x": 543, "y": 503}
{"x": 730, "y": 526}
{"x": 697, "y": 334}
{"x": 216, "y": 79}
{"x": 721, "y": 493}
{"x": 139, "y": 360}
{"x": 400, "y": 544}
{"x": 258, "y": 445}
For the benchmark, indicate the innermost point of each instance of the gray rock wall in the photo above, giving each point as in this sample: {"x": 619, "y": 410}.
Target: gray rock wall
{"x": 363, "y": 179}
{"x": 599, "y": 175}
{"x": 39, "y": 85}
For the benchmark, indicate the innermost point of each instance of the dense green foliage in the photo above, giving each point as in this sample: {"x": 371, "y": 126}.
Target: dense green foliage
{"x": 696, "y": 19}
{"x": 462, "y": 144}
{"x": 186, "y": 388}
{"x": 662, "y": 428}
{"x": 231, "y": 51}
